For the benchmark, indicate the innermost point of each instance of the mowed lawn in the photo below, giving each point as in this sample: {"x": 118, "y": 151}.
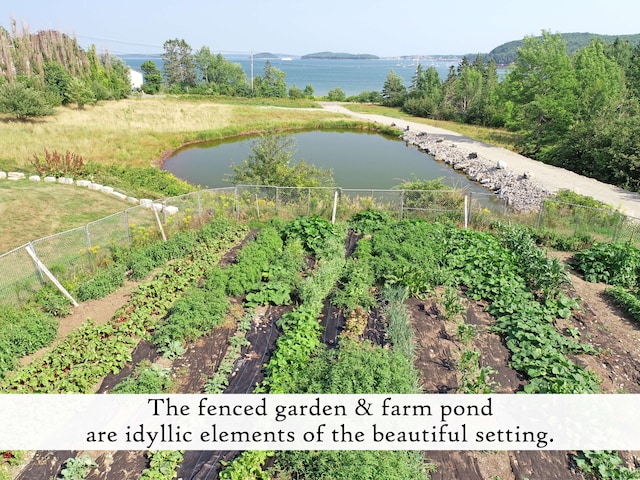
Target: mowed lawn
{"x": 30, "y": 210}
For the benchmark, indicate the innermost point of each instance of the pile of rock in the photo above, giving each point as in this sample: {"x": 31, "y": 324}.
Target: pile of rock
{"x": 521, "y": 192}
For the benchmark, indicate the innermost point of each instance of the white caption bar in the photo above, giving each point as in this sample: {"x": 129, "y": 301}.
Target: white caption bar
{"x": 320, "y": 422}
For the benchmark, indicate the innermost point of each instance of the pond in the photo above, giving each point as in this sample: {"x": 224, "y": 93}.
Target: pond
{"x": 358, "y": 160}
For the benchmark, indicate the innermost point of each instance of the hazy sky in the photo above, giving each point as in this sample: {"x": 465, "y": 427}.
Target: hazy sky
{"x": 379, "y": 27}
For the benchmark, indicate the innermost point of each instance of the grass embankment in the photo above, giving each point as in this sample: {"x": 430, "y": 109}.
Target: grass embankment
{"x": 494, "y": 136}
{"x": 33, "y": 210}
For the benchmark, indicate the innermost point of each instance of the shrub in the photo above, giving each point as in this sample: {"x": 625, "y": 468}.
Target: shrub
{"x": 56, "y": 164}
{"x": 23, "y": 101}
{"x": 612, "y": 263}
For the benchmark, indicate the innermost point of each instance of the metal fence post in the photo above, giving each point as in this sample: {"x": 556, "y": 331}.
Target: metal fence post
{"x": 126, "y": 226}
{"x": 335, "y": 206}
{"x": 88, "y": 235}
{"x": 402, "y": 192}
{"x": 540, "y": 212}
{"x": 235, "y": 202}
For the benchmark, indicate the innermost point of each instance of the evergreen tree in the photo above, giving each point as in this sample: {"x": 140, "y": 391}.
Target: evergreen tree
{"x": 79, "y": 93}
{"x": 152, "y": 77}
{"x": 393, "y": 91}
{"x": 272, "y": 83}
{"x": 425, "y": 95}
{"x": 23, "y": 102}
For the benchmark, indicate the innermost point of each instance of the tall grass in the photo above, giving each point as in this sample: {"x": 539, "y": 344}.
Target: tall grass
{"x": 138, "y": 131}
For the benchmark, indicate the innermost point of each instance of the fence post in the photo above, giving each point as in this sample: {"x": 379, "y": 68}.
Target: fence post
{"x": 335, "y": 206}
{"x": 575, "y": 232}
{"x": 617, "y": 227}
{"x": 466, "y": 212}
{"x": 88, "y": 235}
{"x": 277, "y": 199}
{"x": 235, "y": 202}
{"x": 126, "y": 225}
{"x": 540, "y": 212}
{"x": 401, "y": 204}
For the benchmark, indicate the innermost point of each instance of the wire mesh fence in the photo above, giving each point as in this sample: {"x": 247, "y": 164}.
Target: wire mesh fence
{"x": 81, "y": 250}
{"x": 600, "y": 223}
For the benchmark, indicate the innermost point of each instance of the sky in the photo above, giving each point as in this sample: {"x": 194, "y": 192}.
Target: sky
{"x": 379, "y": 27}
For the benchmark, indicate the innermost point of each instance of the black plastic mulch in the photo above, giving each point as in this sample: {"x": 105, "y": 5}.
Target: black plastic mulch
{"x": 248, "y": 372}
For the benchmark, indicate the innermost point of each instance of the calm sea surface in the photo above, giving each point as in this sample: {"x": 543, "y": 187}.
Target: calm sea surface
{"x": 352, "y": 76}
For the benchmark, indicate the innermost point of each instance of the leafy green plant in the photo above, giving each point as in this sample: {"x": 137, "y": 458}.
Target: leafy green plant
{"x": 23, "y": 331}
{"x": 52, "y": 301}
{"x": 473, "y": 377}
{"x": 605, "y": 465}
{"x": 190, "y": 317}
{"x": 102, "y": 283}
{"x": 312, "y": 231}
{"x": 247, "y": 466}
{"x": 163, "y": 465}
{"x": 451, "y": 303}
{"x": 147, "y": 378}
{"x": 368, "y": 221}
{"x": 612, "y": 263}
{"x": 78, "y": 468}
{"x": 626, "y": 299}
{"x": 466, "y": 332}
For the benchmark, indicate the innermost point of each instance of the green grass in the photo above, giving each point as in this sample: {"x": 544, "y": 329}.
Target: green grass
{"x": 30, "y": 210}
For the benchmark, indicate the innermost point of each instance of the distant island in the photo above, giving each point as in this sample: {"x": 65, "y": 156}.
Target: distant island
{"x": 266, "y": 55}
{"x": 339, "y": 56}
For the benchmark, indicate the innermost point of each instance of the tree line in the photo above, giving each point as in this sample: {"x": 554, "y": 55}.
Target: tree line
{"x": 578, "y": 111}
{"x": 39, "y": 71}
{"x": 203, "y": 72}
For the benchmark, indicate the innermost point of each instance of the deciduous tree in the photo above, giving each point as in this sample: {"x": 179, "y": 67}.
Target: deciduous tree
{"x": 179, "y": 66}
{"x": 270, "y": 163}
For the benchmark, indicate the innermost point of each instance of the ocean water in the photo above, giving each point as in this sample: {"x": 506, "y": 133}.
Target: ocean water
{"x": 352, "y": 76}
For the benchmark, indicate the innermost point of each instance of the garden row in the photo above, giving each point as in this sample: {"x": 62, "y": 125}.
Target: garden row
{"x": 302, "y": 264}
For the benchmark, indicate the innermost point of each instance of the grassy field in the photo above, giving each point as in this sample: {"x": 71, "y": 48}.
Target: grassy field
{"x": 137, "y": 131}
{"x": 29, "y": 211}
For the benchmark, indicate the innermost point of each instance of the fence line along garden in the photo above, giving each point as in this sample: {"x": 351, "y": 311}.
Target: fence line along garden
{"x": 83, "y": 249}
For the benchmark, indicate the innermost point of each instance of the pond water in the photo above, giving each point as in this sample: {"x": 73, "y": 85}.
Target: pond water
{"x": 358, "y": 160}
